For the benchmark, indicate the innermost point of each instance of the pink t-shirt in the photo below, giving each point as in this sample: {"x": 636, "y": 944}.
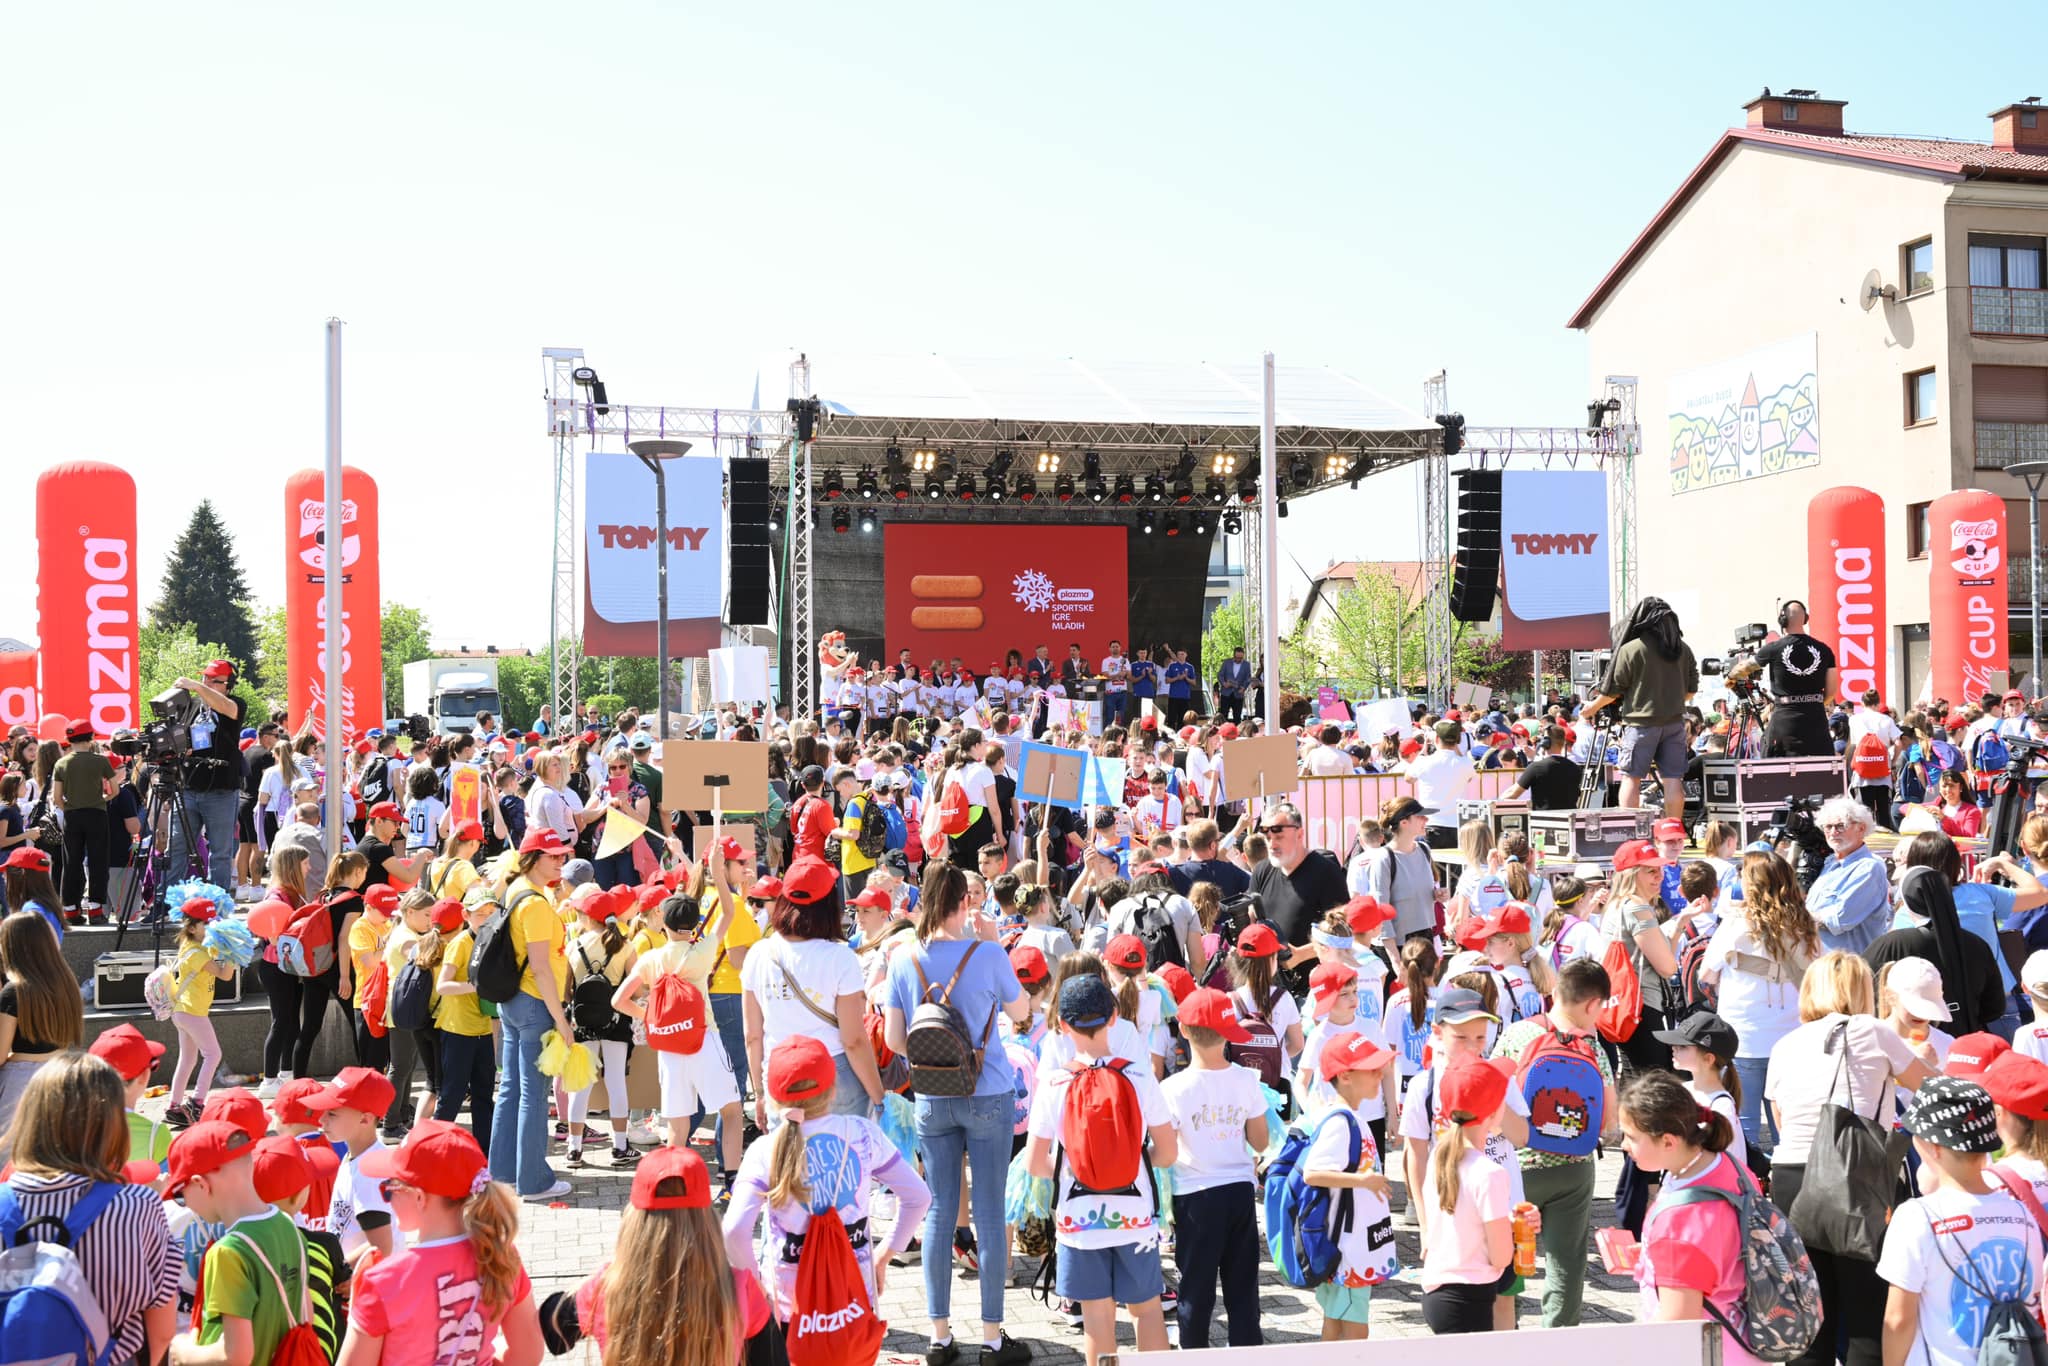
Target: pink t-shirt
{"x": 427, "y": 1305}
{"x": 1695, "y": 1247}
{"x": 1457, "y": 1241}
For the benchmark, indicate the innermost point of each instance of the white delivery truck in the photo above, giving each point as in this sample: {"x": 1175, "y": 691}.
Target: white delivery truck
{"x": 450, "y": 692}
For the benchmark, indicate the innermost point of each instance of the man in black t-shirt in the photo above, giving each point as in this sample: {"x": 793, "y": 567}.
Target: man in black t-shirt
{"x": 213, "y": 772}
{"x": 1553, "y": 781}
{"x": 1296, "y": 886}
{"x": 1802, "y": 678}
{"x": 255, "y": 763}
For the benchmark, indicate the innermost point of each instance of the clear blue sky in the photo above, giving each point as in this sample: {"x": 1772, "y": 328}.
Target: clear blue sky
{"x": 1390, "y": 190}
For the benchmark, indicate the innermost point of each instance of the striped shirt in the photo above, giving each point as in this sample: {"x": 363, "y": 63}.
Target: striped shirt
{"x": 125, "y": 1255}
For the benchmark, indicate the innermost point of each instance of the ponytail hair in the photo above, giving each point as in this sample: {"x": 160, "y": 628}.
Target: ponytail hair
{"x": 1418, "y": 971}
{"x": 1444, "y": 1158}
{"x": 1126, "y": 988}
{"x": 788, "y": 1173}
{"x": 1656, "y": 1103}
{"x": 491, "y": 1219}
{"x": 1255, "y": 976}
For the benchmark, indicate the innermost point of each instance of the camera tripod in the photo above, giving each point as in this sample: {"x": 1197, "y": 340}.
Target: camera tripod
{"x": 2010, "y": 797}
{"x": 164, "y": 810}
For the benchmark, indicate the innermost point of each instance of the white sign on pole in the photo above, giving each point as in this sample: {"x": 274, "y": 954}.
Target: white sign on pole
{"x": 739, "y": 674}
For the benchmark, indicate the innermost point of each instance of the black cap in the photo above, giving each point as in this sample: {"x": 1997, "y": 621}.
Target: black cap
{"x": 811, "y": 774}
{"x": 1953, "y": 1113}
{"x": 1702, "y": 1029}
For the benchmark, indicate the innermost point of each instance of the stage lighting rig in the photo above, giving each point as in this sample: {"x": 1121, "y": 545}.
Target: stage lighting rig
{"x": 866, "y": 486}
{"x": 867, "y": 520}
{"x": 1146, "y": 522}
{"x": 842, "y": 520}
{"x": 1223, "y": 463}
{"x": 1126, "y": 489}
{"x": 808, "y": 412}
{"x": 1248, "y": 483}
{"x": 999, "y": 464}
{"x": 586, "y": 378}
{"x": 997, "y": 488}
{"x": 1454, "y": 431}
{"x": 1091, "y": 482}
{"x": 1334, "y": 464}
{"x": 1201, "y": 523}
{"x": 1232, "y": 524}
{"x": 1217, "y": 489}
{"x": 1027, "y": 487}
{"x": 934, "y": 488}
{"x": 1173, "y": 524}
{"x": 947, "y": 465}
{"x": 1063, "y": 488}
{"x": 835, "y": 487}
{"x": 1599, "y": 411}
{"x": 899, "y": 480}
{"x": 1283, "y": 507}
{"x": 1360, "y": 467}
{"x": 1155, "y": 488}
{"x": 964, "y": 488}
{"x": 1301, "y": 473}
{"x": 923, "y": 459}
{"x": 1048, "y": 462}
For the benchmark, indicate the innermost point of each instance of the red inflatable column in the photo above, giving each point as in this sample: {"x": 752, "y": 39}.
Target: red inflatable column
{"x": 307, "y": 550}
{"x": 1967, "y": 560}
{"x": 19, "y": 704}
{"x": 85, "y": 593}
{"x": 1845, "y": 582}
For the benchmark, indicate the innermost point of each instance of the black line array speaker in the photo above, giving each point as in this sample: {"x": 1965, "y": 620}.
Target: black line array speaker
{"x": 1476, "y": 572}
{"x": 746, "y": 595}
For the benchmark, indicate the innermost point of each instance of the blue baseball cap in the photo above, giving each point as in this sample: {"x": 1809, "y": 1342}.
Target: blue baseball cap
{"x": 248, "y": 732}
{"x": 1086, "y": 1002}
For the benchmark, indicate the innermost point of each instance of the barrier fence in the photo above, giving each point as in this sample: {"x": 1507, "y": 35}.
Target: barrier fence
{"x": 1685, "y": 1343}
{"x": 1331, "y": 808}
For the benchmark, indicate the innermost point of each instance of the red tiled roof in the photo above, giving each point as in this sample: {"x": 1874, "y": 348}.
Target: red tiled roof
{"x": 1934, "y": 156}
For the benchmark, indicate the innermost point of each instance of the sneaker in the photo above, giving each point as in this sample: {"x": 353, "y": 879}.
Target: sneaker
{"x": 1007, "y": 1352}
{"x": 640, "y": 1136}
{"x": 964, "y": 1250}
{"x": 596, "y": 1137}
{"x": 561, "y": 1131}
{"x": 910, "y": 1255}
{"x": 182, "y": 1115}
{"x": 574, "y": 1160}
{"x": 268, "y": 1090}
{"x": 948, "y": 1355}
{"x": 1070, "y": 1310}
{"x": 554, "y": 1192}
{"x": 626, "y": 1157}
{"x": 1169, "y": 1300}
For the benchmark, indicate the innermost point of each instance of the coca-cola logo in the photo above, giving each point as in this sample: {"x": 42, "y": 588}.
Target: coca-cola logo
{"x": 313, "y": 524}
{"x": 1975, "y": 546}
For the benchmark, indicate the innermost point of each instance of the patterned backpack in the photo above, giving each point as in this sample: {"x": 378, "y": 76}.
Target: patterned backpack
{"x": 1778, "y": 1314}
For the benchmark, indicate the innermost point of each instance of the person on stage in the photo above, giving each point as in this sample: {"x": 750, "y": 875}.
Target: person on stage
{"x": 1802, "y": 678}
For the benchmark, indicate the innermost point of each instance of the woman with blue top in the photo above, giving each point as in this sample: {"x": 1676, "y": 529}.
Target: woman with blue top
{"x": 958, "y": 959}
{"x": 1982, "y": 907}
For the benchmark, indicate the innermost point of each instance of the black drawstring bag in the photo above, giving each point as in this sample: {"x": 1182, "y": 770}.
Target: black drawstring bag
{"x": 1845, "y": 1197}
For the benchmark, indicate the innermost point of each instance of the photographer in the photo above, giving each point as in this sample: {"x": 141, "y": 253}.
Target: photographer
{"x": 213, "y": 770}
{"x": 1652, "y": 677}
{"x": 1802, "y": 678}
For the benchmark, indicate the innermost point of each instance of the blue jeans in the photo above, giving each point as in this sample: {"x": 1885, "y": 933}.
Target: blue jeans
{"x": 849, "y": 1097}
{"x": 214, "y": 814}
{"x": 519, "y": 1124}
{"x": 615, "y": 870}
{"x": 466, "y": 1074}
{"x": 1755, "y": 1117}
{"x": 979, "y": 1127}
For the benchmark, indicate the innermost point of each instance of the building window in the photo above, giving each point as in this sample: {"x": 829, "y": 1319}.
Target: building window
{"x": 2005, "y": 262}
{"x": 1916, "y": 530}
{"x": 2028, "y": 118}
{"x": 1920, "y": 397}
{"x": 1919, "y": 263}
{"x": 1789, "y": 112}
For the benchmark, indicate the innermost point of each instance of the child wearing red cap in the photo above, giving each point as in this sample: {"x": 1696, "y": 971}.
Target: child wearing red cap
{"x": 350, "y": 1108}
{"x": 256, "y": 1285}
{"x": 1467, "y": 1201}
{"x": 283, "y": 1176}
{"x": 134, "y": 1057}
{"x": 1219, "y": 1111}
{"x": 1261, "y": 999}
{"x": 1123, "y": 961}
{"x": 301, "y": 1125}
{"x": 1354, "y": 1067}
{"x": 444, "y": 1299}
{"x": 1333, "y": 1001}
{"x": 194, "y": 971}
{"x": 816, "y": 1159}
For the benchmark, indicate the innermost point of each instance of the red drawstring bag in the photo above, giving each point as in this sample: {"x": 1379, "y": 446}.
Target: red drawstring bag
{"x": 377, "y": 999}
{"x": 833, "y": 1320}
{"x": 1622, "y": 1011}
{"x": 675, "y": 1015}
{"x": 1103, "y": 1127}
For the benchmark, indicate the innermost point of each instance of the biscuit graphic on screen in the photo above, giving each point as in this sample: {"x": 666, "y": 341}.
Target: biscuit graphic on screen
{"x": 946, "y": 618}
{"x": 945, "y": 587}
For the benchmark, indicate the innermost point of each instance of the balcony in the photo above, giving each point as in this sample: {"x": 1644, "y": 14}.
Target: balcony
{"x": 2004, "y": 443}
{"x": 1999, "y": 312}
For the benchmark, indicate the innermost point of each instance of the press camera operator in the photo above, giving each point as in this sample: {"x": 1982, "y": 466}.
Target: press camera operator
{"x": 1651, "y": 678}
{"x": 213, "y": 770}
{"x": 1803, "y": 677}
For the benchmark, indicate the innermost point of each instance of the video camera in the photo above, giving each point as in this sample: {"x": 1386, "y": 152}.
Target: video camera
{"x": 165, "y": 741}
{"x": 1794, "y": 822}
{"x": 1740, "y": 671}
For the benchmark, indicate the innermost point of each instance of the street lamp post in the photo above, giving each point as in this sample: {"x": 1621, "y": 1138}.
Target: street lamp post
{"x": 2033, "y": 472}
{"x": 651, "y": 454}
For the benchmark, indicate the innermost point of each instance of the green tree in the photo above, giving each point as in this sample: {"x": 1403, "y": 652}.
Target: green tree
{"x": 404, "y": 633}
{"x": 166, "y": 654}
{"x": 203, "y": 587}
{"x": 523, "y": 684}
{"x": 1224, "y": 633}
{"x": 269, "y": 665}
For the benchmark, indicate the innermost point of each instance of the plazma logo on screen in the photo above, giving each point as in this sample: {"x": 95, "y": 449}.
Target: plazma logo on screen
{"x": 1036, "y": 592}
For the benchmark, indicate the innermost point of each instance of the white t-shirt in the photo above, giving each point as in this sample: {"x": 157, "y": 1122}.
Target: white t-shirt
{"x": 1577, "y": 937}
{"x": 1990, "y": 1238}
{"x": 1457, "y": 1240}
{"x": 822, "y": 969}
{"x": 1762, "y": 1007}
{"x": 1210, "y": 1108}
{"x": 1801, "y": 1077}
{"x": 1087, "y": 1219}
{"x": 1153, "y": 815}
{"x": 2034, "y": 1173}
{"x": 355, "y": 1194}
{"x": 964, "y": 697}
{"x": 1366, "y": 1252}
{"x": 1870, "y": 721}
{"x": 2031, "y": 1040}
{"x": 1116, "y": 673}
{"x": 909, "y": 697}
{"x": 979, "y": 784}
{"x": 1199, "y": 765}
{"x": 1124, "y": 1042}
{"x": 1327, "y": 761}
{"x": 423, "y": 823}
{"x": 1423, "y": 1119}
{"x": 1440, "y": 778}
{"x": 1723, "y": 1104}
{"x": 1400, "y": 1033}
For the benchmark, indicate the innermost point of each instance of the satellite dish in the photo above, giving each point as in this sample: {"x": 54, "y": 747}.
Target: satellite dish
{"x": 1871, "y": 289}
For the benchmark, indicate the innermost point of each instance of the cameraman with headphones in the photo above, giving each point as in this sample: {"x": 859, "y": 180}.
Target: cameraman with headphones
{"x": 213, "y": 770}
{"x": 1803, "y": 677}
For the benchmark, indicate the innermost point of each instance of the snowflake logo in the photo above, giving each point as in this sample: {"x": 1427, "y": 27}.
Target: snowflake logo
{"x": 1034, "y": 590}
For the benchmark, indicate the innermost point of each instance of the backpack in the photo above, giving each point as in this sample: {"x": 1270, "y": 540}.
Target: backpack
{"x": 956, "y": 815}
{"x": 412, "y": 998}
{"x": 896, "y": 829}
{"x": 1557, "y": 949}
{"x": 1304, "y": 1222}
{"x": 1264, "y": 1051}
{"x": 832, "y": 1320}
{"x": 1694, "y": 993}
{"x": 305, "y": 946}
{"x": 494, "y": 964}
{"x": 375, "y": 784}
{"x": 590, "y": 1002}
{"x": 2011, "y": 1336}
{"x": 1561, "y": 1080}
{"x": 1869, "y": 761}
{"x": 377, "y": 1000}
{"x": 1778, "y": 1315}
{"x": 48, "y": 1312}
{"x": 160, "y": 988}
{"x": 300, "y": 1345}
{"x": 676, "y": 1013}
{"x": 1942, "y": 757}
{"x": 1990, "y": 757}
{"x": 873, "y": 840}
{"x": 1622, "y": 1011}
{"x": 1103, "y": 1143}
{"x": 944, "y": 1058}
{"x": 1153, "y": 923}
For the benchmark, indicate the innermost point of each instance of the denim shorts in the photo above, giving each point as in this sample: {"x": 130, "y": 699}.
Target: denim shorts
{"x": 1665, "y": 744}
{"x": 1122, "y": 1273}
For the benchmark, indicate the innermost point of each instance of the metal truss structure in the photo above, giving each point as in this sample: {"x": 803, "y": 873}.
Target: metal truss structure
{"x": 1436, "y": 547}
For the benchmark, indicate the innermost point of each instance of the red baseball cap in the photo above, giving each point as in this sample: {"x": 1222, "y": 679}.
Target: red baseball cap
{"x": 532, "y": 737}
{"x": 800, "y": 1068}
{"x": 728, "y": 849}
{"x": 219, "y": 668}
{"x": 204, "y": 1149}
{"x": 447, "y": 915}
{"x": 199, "y": 910}
{"x": 589, "y": 737}
{"x": 1228, "y": 730}
{"x": 470, "y": 830}
{"x": 365, "y": 747}
{"x": 1125, "y": 951}
{"x": 355, "y": 1088}
{"x": 78, "y": 730}
{"x": 1367, "y": 913}
{"x": 1472, "y": 1085}
{"x": 874, "y": 898}
{"x": 1027, "y": 962}
{"x": 1668, "y": 830}
{"x": 1326, "y": 983}
{"x": 2019, "y": 1084}
{"x": 1454, "y": 715}
{"x": 290, "y": 1106}
{"x": 385, "y": 811}
{"x": 543, "y": 840}
{"x": 282, "y": 1170}
{"x": 33, "y": 859}
{"x": 382, "y": 897}
{"x": 128, "y": 1050}
{"x": 809, "y": 880}
{"x": 1512, "y": 918}
{"x": 238, "y": 1108}
{"x": 671, "y": 1164}
{"x": 1257, "y": 940}
{"x": 767, "y": 889}
{"x": 1178, "y": 980}
{"x": 1635, "y": 854}
{"x": 1357, "y": 1053}
{"x": 1973, "y": 1054}
{"x": 1188, "y": 733}
{"x": 437, "y": 1157}
{"x": 1208, "y": 1008}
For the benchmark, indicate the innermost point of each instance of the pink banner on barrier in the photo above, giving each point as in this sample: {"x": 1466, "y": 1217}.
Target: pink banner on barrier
{"x": 1331, "y": 808}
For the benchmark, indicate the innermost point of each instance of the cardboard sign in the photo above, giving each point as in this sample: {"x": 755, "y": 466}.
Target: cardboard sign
{"x": 1051, "y": 775}
{"x": 1997, "y": 681}
{"x": 1262, "y": 765}
{"x": 690, "y": 769}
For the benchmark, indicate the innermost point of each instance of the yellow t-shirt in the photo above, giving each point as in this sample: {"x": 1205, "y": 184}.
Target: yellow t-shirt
{"x": 647, "y": 938}
{"x": 366, "y": 940}
{"x": 858, "y": 811}
{"x": 459, "y": 1014}
{"x": 742, "y": 932}
{"x": 398, "y": 951}
{"x": 192, "y": 984}
{"x": 451, "y": 878}
{"x": 538, "y": 920}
